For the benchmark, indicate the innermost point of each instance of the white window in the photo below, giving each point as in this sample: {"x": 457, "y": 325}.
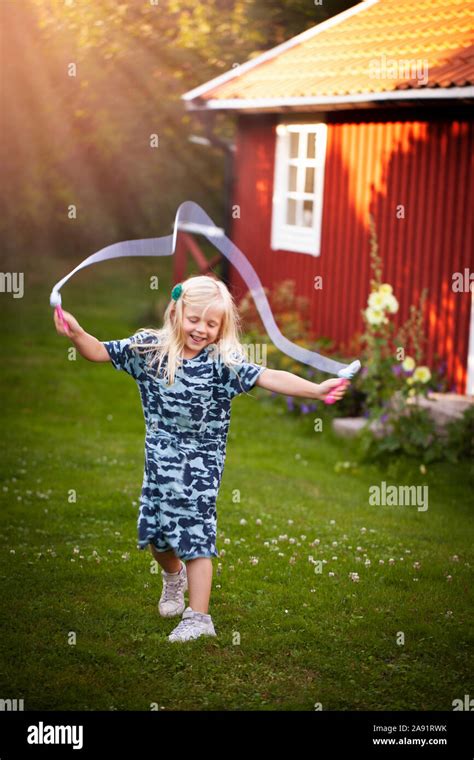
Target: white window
{"x": 470, "y": 354}
{"x": 298, "y": 191}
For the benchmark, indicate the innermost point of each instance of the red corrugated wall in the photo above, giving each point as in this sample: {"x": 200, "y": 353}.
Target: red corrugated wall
{"x": 377, "y": 167}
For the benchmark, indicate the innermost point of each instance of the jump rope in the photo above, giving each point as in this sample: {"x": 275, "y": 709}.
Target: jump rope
{"x": 190, "y": 217}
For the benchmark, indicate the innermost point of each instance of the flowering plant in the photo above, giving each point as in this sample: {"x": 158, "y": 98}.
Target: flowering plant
{"x": 392, "y": 360}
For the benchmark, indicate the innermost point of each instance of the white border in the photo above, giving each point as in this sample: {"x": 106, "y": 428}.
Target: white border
{"x": 434, "y": 93}
{"x": 293, "y": 238}
{"x": 470, "y": 351}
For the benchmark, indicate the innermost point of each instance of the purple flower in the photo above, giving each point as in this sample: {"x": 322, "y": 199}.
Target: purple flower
{"x": 384, "y": 418}
{"x": 397, "y": 369}
{"x": 304, "y": 408}
{"x": 289, "y": 403}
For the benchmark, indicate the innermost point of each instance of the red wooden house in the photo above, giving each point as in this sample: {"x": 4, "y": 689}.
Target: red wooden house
{"x": 368, "y": 112}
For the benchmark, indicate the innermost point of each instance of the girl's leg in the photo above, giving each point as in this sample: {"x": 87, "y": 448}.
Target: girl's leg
{"x": 168, "y": 560}
{"x": 199, "y": 583}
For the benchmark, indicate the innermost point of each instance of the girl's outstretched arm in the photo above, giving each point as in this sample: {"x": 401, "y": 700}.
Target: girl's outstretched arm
{"x": 290, "y": 384}
{"x": 88, "y": 346}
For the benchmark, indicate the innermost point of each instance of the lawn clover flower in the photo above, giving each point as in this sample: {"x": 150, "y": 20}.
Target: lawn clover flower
{"x": 416, "y": 565}
{"x": 354, "y": 577}
{"x": 254, "y": 560}
{"x": 243, "y": 521}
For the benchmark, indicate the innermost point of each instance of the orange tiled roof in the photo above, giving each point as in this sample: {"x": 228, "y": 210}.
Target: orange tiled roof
{"x": 377, "y": 46}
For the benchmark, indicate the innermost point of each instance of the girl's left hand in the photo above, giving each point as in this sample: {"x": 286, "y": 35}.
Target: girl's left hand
{"x": 327, "y": 387}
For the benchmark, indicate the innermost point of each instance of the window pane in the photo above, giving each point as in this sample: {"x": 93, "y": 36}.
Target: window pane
{"x": 308, "y": 213}
{"x": 311, "y": 151}
{"x": 292, "y": 180}
{"x": 309, "y": 180}
{"x": 291, "y": 211}
{"x": 294, "y": 144}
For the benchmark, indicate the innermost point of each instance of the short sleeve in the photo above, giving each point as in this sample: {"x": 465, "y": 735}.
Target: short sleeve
{"x": 124, "y": 356}
{"x": 240, "y": 378}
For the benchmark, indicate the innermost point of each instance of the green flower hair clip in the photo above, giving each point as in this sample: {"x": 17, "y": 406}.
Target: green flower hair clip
{"x": 176, "y": 292}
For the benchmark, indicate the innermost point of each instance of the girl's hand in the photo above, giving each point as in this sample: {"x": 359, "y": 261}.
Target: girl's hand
{"x": 327, "y": 387}
{"x": 73, "y": 325}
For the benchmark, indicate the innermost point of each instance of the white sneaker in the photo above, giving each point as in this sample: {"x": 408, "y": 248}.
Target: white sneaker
{"x": 172, "y": 596}
{"x": 193, "y": 624}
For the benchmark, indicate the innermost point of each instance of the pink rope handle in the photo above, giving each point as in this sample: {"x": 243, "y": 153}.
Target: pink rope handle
{"x": 330, "y": 399}
{"x": 60, "y": 314}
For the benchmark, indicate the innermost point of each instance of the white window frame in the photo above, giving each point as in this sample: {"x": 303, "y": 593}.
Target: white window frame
{"x": 470, "y": 351}
{"x": 298, "y": 237}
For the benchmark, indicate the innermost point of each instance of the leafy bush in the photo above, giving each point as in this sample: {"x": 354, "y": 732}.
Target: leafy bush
{"x": 460, "y": 436}
{"x": 411, "y": 434}
{"x": 292, "y": 314}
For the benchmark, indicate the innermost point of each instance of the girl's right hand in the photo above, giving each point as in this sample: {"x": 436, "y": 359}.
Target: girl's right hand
{"x": 72, "y": 323}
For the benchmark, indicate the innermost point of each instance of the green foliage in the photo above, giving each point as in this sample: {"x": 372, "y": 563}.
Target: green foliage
{"x": 460, "y": 436}
{"x": 411, "y": 434}
{"x": 292, "y": 315}
{"x": 84, "y": 140}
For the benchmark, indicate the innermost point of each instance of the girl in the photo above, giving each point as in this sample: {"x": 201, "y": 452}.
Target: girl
{"x": 187, "y": 374}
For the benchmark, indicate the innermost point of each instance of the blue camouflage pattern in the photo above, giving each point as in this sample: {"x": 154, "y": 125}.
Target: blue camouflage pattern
{"x": 185, "y": 444}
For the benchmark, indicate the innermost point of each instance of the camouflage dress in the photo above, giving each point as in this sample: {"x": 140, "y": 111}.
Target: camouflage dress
{"x": 185, "y": 444}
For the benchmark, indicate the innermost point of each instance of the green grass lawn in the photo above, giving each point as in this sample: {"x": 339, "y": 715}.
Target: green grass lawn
{"x": 288, "y": 637}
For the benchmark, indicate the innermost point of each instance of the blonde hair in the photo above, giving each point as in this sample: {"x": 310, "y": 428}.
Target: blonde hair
{"x": 202, "y": 291}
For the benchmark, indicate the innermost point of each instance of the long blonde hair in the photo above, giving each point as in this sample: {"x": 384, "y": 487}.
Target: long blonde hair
{"x": 202, "y": 291}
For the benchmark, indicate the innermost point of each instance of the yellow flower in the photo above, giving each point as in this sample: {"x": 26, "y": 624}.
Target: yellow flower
{"x": 410, "y": 380}
{"x": 422, "y": 374}
{"x": 408, "y": 364}
{"x": 411, "y": 392}
{"x": 391, "y": 303}
{"x": 374, "y": 316}
{"x": 376, "y": 300}
{"x": 385, "y": 288}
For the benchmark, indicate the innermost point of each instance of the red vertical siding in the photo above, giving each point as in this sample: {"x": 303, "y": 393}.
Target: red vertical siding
{"x": 375, "y": 167}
